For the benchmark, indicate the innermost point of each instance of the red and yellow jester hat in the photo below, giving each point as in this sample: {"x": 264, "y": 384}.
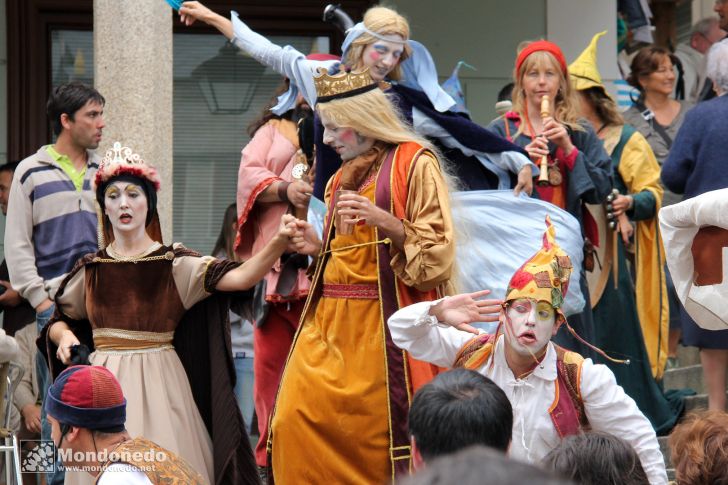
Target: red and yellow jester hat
{"x": 545, "y": 276}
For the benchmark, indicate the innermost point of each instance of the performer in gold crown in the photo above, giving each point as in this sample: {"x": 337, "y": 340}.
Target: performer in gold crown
{"x": 135, "y": 303}
{"x": 341, "y": 411}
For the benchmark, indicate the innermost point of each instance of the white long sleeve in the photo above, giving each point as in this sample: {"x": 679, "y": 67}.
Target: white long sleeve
{"x": 430, "y": 343}
{"x": 284, "y": 60}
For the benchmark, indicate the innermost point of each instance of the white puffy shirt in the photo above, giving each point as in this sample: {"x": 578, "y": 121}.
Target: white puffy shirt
{"x": 608, "y": 408}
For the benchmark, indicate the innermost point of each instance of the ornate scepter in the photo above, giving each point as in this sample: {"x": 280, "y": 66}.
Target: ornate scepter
{"x": 543, "y": 177}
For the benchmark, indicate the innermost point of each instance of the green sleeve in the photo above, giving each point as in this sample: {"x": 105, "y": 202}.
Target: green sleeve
{"x": 644, "y": 206}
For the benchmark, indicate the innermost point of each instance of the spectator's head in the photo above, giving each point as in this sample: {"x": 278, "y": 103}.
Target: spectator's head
{"x": 86, "y": 408}
{"x": 226, "y": 238}
{"x": 457, "y": 409}
{"x": 76, "y": 113}
{"x": 479, "y": 465}
{"x": 705, "y": 33}
{"x": 6, "y": 180}
{"x": 721, "y": 8}
{"x": 717, "y": 68}
{"x": 652, "y": 71}
{"x": 504, "y": 101}
{"x": 699, "y": 449}
{"x": 597, "y": 459}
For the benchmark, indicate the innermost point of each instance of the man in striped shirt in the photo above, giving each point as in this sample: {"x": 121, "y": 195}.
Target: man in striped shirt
{"x": 51, "y": 219}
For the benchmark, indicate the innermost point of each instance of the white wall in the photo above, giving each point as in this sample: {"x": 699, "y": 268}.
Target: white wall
{"x": 485, "y": 33}
{"x": 702, "y": 9}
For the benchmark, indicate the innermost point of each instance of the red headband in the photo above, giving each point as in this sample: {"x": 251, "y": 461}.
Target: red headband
{"x": 541, "y": 45}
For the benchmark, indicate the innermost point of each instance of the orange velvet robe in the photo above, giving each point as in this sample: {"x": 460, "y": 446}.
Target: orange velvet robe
{"x": 341, "y": 412}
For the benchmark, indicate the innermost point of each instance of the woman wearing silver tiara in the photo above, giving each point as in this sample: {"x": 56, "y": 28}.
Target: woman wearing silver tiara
{"x": 135, "y": 302}
{"x": 381, "y": 43}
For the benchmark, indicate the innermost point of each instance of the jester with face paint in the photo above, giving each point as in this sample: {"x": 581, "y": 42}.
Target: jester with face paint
{"x": 554, "y": 392}
{"x": 381, "y": 43}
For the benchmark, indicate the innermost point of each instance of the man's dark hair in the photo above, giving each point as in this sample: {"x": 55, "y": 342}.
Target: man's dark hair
{"x": 69, "y": 98}
{"x": 597, "y": 459}
{"x": 9, "y": 167}
{"x": 457, "y": 409}
{"x": 506, "y": 92}
{"x": 479, "y": 465}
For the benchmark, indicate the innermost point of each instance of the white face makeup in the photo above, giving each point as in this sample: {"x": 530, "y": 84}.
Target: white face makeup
{"x": 126, "y": 205}
{"x": 382, "y": 56}
{"x": 347, "y": 142}
{"x": 529, "y": 325}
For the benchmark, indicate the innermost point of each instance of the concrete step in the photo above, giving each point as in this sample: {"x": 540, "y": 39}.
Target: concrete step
{"x": 688, "y": 355}
{"x": 666, "y": 455}
{"x": 690, "y": 376}
{"x": 696, "y": 403}
{"x": 665, "y": 450}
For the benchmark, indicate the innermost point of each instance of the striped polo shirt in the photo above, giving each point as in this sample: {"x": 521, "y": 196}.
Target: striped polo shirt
{"x": 63, "y": 224}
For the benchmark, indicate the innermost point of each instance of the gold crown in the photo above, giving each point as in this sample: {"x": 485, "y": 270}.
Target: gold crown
{"x": 342, "y": 85}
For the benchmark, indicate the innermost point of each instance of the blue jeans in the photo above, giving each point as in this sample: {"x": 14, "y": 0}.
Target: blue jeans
{"x": 41, "y": 369}
{"x": 244, "y": 388}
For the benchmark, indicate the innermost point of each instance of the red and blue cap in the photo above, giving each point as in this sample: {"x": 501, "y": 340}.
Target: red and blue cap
{"x": 87, "y": 397}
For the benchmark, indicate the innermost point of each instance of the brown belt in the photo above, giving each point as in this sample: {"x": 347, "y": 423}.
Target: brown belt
{"x": 118, "y": 340}
{"x": 356, "y": 292}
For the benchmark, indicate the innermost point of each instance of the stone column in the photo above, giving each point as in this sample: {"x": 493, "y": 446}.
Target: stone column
{"x": 133, "y": 71}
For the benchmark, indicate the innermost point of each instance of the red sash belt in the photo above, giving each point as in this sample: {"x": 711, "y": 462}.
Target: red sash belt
{"x": 357, "y": 292}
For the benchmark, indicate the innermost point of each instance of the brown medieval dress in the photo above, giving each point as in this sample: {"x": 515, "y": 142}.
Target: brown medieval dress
{"x": 147, "y": 322}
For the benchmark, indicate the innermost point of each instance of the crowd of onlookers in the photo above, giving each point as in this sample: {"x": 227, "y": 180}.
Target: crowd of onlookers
{"x": 461, "y": 426}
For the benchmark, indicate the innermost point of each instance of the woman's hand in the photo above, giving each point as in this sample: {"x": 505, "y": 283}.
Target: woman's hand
{"x": 625, "y": 228}
{"x": 460, "y": 311}
{"x": 299, "y": 193}
{"x": 286, "y": 230}
{"x": 538, "y": 147}
{"x": 305, "y": 239}
{"x": 621, "y": 204}
{"x": 557, "y": 133}
{"x": 190, "y": 12}
{"x": 525, "y": 181}
{"x": 67, "y": 340}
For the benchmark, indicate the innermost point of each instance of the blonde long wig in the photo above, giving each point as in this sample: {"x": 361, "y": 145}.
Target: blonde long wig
{"x": 566, "y": 104}
{"x": 383, "y": 21}
{"x": 372, "y": 115}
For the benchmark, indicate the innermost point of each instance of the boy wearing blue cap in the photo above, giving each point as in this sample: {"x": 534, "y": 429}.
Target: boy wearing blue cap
{"x": 87, "y": 411}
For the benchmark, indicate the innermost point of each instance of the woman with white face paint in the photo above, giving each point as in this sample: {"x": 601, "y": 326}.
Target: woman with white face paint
{"x": 381, "y": 43}
{"x": 554, "y": 392}
{"x": 131, "y": 300}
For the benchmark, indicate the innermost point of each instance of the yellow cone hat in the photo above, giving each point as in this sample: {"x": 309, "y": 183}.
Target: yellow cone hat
{"x": 583, "y": 71}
